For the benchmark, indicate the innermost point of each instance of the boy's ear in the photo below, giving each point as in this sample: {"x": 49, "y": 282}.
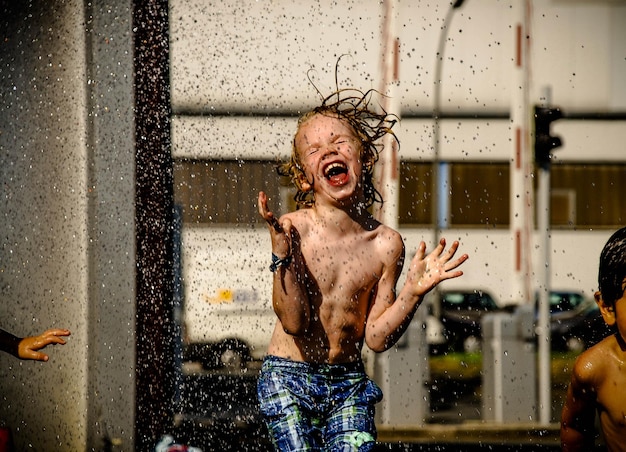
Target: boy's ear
{"x": 305, "y": 185}
{"x": 608, "y": 312}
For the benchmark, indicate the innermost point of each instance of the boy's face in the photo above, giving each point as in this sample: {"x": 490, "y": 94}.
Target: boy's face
{"x": 616, "y": 314}
{"x": 330, "y": 156}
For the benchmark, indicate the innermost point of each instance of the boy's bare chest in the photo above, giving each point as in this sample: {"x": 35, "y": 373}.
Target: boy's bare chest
{"x": 613, "y": 399}
{"x": 349, "y": 264}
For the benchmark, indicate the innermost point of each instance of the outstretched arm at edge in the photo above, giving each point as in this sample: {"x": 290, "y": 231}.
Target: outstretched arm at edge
{"x": 28, "y": 347}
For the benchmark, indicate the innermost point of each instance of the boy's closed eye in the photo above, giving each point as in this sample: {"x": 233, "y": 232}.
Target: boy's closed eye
{"x": 335, "y": 146}
{"x": 312, "y": 151}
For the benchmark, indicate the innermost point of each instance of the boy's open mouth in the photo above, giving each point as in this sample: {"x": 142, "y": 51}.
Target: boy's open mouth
{"x": 336, "y": 173}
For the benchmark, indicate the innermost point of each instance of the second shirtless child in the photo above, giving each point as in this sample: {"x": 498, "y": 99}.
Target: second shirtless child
{"x": 335, "y": 273}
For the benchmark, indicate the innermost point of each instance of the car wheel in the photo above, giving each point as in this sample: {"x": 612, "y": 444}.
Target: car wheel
{"x": 575, "y": 344}
{"x": 233, "y": 353}
{"x": 229, "y": 353}
{"x": 471, "y": 344}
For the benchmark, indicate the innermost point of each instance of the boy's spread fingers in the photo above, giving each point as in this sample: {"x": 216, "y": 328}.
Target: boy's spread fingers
{"x": 421, "y": 250}
{"x": 440, "y": 248}
{"x": 452, "y": 250}
{"x": 266, "y": 214}
{"x": 456, "y": 263}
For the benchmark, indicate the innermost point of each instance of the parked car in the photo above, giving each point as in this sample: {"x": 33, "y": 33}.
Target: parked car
{"x": 461, "y": 314}
{"x": 436, "y": 336}
{"x": 575, "y": 321}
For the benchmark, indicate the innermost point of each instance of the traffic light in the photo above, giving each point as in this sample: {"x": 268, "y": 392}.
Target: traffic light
{"x": 544, "y": 142}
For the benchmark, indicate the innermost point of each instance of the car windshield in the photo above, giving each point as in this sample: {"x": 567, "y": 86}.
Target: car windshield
{"x": 477, "y": 301}
{"x": 565, "y": 301}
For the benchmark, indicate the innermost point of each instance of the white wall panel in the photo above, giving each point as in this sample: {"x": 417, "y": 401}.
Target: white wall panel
{"x": 241, "y": 56}
{"x": 235, "y": 55}
{"x": 232, "y": 137}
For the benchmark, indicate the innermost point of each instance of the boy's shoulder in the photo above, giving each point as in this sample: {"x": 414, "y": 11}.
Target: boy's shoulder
{"x": 592, "y": 363}
{"x": 389, "y": 232}
{"x": 293, "y": 213}
{"x": 302, "y": 214}
{"x": 389, "y": 243}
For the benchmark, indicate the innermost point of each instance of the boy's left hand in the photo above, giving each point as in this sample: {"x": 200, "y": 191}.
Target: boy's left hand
{"x": 426, "y": 271}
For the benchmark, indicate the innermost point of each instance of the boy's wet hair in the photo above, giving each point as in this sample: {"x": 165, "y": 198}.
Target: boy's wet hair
{"x": 369, "y": 126}
{"x": 612, "y": 269}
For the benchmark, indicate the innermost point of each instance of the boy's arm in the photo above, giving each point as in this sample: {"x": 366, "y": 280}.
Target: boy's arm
{"x": 289, "y": 298}
{"x": 389, "y": 315}
{"x": 385, "y": 325}
{"x": 579, "y": 413}
{"x": 27, "y": 348}
{"x": 9, "y": 343}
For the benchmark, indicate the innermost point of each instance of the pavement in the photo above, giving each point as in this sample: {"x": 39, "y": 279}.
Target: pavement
{"x": 219, "y": 412}
{"x": 466, "y": 437}
{"x": 472, "y": 435}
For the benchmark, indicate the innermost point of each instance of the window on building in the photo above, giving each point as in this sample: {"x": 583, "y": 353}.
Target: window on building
{"x": 224, "y": 191}
{"x": 415, "y": 200}
{"x": 588, "y": 195}
{"x": 477, "y": 194}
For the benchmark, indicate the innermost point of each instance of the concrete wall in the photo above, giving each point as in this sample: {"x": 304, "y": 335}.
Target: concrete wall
{"x": 67, "y": 247}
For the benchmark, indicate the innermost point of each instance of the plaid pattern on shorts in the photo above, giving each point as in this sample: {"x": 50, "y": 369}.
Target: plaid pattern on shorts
{"x": 318, "y": 407}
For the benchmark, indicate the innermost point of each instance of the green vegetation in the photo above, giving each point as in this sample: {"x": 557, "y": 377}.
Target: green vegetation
{"x": 456, "y": 366}
{"x": 468, "y": 366}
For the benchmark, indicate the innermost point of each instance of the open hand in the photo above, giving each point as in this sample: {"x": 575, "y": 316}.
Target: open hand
{"x": 426, "y": 271}
{"x": 281, "y": 233}
{"x": 29, "y": 346}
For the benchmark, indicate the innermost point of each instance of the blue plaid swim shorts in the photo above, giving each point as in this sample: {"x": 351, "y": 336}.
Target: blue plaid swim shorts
{"x": 318, "y": 407}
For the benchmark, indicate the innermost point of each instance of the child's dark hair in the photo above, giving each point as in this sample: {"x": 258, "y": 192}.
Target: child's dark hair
{"x": 369, "y": 126}
{"x": 612, "y": 269}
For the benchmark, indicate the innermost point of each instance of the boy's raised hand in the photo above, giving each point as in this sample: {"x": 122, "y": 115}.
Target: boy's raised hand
{"x": 280, "y": 233}
{"x": 426, "y": 271}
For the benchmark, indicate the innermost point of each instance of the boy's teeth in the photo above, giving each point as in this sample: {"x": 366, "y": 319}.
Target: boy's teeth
{"x": 332, "y": 166}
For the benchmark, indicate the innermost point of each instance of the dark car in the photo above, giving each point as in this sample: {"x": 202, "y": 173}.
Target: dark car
{"x": 461, "y": 314}
{"x": 575, "y": 321}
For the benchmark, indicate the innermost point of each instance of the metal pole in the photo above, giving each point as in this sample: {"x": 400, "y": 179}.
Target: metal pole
{"x": 543, "y": 321}
{"x": 521, "y": 197}
{"x": 389, "y": 161}
{"x": 435, "y": 190}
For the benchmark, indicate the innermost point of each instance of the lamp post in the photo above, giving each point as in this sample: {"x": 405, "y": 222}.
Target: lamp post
{"x": 439, "y": 218}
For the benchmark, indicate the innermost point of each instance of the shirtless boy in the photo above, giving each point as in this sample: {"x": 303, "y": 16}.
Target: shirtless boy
{"x": 335, "y": 273}
{"x": 599, "y": 374}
